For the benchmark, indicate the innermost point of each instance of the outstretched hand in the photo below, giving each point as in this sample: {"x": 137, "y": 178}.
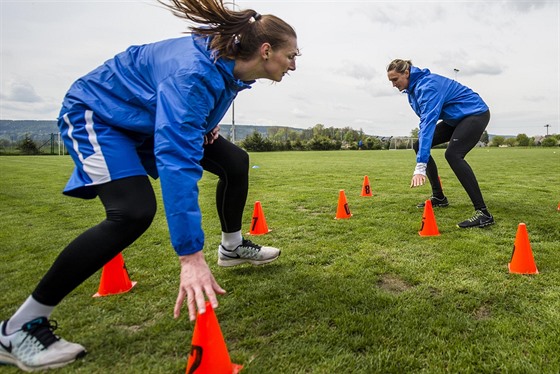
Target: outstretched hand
{"x": 417, "y": 180}
{"x": 196, "y": 281}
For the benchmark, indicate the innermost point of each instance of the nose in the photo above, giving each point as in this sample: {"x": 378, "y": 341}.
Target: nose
{"x": 292, "y": 66}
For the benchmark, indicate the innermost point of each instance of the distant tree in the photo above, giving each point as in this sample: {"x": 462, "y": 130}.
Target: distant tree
{"x": 484, "y": 138}
{"x": 27, "y": 146}
{"x": 256, "y": 143}
{"x": 414, "y": 132}
{"x": 498, "y": 140}
{"x": 549, "y": 141}
{"x": 511, "y": 142}
{"x": 522, "y": 140}
{"x": 373, "y": 143}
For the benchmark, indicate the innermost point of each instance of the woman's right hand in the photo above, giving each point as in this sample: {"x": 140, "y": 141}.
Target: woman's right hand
{"x": 196, "y": 282}
{"x": 417, "y": 180}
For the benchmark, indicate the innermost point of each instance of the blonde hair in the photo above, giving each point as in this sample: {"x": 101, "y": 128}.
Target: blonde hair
{"x": 400, "y": 66}
{"x": 235, "y": 34}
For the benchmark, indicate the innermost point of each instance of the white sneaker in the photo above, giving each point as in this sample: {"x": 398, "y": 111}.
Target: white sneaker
{"x": 247, "y": 252}
{"x": 36, "y": 347}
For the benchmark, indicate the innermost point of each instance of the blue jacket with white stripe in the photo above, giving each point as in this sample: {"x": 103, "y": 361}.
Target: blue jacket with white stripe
{"x": 174, "y": 92}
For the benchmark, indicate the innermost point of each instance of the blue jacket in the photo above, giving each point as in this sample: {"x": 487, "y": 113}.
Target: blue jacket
{"x": 172, "y": 92}
{"x": 433, "y": 97}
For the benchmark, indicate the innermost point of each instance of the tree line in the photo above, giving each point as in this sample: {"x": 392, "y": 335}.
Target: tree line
{"x": 317, "y": 138}
{"x": 322, "y": 138}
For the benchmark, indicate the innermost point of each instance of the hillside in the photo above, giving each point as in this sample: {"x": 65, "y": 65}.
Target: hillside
{"x": 15, "y": 130}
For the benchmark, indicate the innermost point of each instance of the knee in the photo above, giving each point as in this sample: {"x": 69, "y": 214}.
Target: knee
{"x": 138, "y": 216}
{"x": 452, "y": 157}
{"x": 239, "y": 168}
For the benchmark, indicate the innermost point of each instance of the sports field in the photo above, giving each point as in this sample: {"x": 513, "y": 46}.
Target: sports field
{"x": 360, "y": 295}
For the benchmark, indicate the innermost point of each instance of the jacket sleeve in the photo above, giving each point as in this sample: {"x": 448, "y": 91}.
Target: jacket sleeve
{"x": 183, "y": 106}
{"x": 430, "y": 103}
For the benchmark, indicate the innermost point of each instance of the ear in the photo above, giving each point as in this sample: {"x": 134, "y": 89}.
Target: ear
{"x": 265, "y": 50}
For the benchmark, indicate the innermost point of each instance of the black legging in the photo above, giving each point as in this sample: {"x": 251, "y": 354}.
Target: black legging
{"x": 462, "y": 138}
{"x": 130, "y": 206}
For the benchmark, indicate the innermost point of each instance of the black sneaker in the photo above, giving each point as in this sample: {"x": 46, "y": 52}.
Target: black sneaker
{"x": 436, "y": 203}
{"x": 478, "y": 220}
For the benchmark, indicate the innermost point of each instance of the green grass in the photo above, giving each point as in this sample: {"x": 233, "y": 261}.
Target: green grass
{"x": 361, "y": 295}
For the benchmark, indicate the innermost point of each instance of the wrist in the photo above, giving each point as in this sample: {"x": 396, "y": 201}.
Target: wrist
{"x": 191, "y": 258}
{"x": 420, "y": 169}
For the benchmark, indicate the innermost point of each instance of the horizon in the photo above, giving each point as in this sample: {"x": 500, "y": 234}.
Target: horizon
{"x": 302, "y": 129}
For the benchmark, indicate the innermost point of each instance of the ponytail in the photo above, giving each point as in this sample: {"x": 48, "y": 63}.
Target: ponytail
{"x": 235, "y": 34}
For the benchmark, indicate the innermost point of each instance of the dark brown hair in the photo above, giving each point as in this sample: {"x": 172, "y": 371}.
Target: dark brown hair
{"x": 236, "y": 34}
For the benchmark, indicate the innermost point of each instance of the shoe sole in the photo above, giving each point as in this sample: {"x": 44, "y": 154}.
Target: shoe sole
{"x": 477, "y": 226}
{"x": 241, "y": 261}
{"x": 434, "y": 206}
{"x": 8, "y": 359}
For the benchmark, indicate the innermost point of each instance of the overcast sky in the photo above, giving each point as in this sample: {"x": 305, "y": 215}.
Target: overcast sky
{"x": 506, "y": 50}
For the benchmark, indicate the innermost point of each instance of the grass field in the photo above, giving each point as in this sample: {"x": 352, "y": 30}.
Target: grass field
{"x": 361, "y": 295}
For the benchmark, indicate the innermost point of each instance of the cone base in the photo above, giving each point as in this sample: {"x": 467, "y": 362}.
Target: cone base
{"x": 344, "y": 217}
{"x": 535, "y": 271}
{"x": 98, "y": 294}
{"x": 423, "y": 234}
{"x": 258, "y": 233}
{"x": 235, "y": 368}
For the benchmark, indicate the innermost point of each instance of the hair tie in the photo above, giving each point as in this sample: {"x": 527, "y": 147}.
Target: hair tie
{"x": 255, "y": 18}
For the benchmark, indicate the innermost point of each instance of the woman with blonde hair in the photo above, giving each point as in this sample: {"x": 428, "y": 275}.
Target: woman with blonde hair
{"x": 463, "y": 117}
{"x": 154, "y": 110}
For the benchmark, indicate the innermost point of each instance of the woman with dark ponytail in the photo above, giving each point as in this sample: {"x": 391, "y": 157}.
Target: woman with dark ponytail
{"x": 154, "y": 110}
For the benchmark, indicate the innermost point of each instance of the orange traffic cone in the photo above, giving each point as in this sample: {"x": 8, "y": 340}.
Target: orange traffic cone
{"x": 366, "y": 188}
{"x": 114, "y": 278}
{"x": 429, "y": 226}
{"x": 522, "y": 261}
{"x": 258, "y": 223}
{"x": 209, "y": 354}
{"x": 343, "y": 211}
{"x": 558, "y": 209}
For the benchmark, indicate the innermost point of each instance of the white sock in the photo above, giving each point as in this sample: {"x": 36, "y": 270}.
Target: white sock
{"x": 230, "y": 240}
{"x": 28, "y": 311}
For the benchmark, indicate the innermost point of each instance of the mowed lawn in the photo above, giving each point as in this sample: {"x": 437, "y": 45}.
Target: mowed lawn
{"x": 360, "y": 295}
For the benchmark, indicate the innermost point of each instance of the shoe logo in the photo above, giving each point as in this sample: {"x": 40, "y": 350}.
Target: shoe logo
{"x": 7, "y": 348}
{"x": 229, "y": 254}
{"x": 455, "y": 139}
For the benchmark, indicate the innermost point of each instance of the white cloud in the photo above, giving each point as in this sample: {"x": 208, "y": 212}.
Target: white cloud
{"x": 508, "y": 51}
{"x": 20, "y": 91}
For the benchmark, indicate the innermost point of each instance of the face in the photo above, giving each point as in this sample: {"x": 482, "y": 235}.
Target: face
{"x": 399, "y": 80}
{"x": 279, "y": 61}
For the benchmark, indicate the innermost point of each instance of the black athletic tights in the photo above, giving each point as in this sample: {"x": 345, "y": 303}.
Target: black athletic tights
{"x": 130, "y": 206}
{"x": 462, "y": 138}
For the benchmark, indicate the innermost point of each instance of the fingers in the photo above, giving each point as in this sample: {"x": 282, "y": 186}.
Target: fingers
{"x": 212, "y": 291}
{"x": 417, "y": 180}
{"x": 179, "y": 303}
{"x": 196, "y": 299}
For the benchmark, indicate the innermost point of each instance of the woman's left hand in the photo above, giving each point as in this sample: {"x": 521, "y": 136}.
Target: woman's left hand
{"x": 212, "y": 135}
